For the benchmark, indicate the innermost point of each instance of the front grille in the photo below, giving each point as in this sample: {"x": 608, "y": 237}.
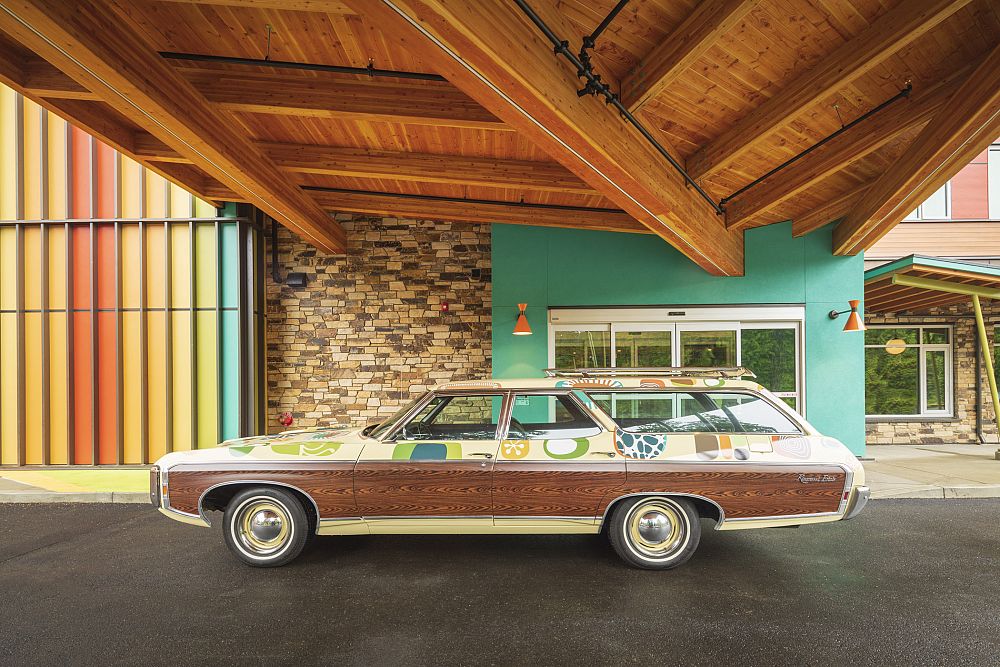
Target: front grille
{"x": 154, "y": 486}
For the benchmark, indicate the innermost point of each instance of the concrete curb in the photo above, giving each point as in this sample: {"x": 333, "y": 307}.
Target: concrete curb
{"x": 940, "y": 492}
{"x": 124, "y": 497}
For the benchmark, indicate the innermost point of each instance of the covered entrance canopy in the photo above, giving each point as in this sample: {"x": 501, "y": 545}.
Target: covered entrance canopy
{"x": 917, "y": 283}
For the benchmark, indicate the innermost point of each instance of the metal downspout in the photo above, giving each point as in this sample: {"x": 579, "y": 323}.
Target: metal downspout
{"x": 988, "y": 361}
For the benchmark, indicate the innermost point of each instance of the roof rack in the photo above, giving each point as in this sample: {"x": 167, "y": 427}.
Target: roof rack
{"x": 689, "y": 371}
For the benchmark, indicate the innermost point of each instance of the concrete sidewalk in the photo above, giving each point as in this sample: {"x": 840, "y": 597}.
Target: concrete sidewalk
{"x": 933, "y": 471}
{"x": 45, "y": 485}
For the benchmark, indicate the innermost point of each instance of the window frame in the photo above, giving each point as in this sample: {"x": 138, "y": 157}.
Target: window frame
{"x": 568, "y": 392}
{"x": 922, "y": 348}
{"x": 392, "y": 435}
{"x": 780, "y": 406}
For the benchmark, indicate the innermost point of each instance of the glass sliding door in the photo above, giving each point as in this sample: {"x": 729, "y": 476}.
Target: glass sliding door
{"x": 771, "y": 352}
{"x": 643, "y": 345}
{"x": 581, "y": 346}
{"x": 714, "y": 344}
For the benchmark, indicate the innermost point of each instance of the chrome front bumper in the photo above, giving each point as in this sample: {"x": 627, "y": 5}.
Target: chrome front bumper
{"x": 859, "y": 498}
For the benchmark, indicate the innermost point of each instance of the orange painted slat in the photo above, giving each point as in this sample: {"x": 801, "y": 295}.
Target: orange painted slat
{"x": 80, "y": 170}
{"x": 132, "y": 387}
{"x": 107, "y": 186}
{"x": 58, "y": 381}
{"x": 8, "y": 268}
{"x": 107, "y": 394}
{"x": 81, "y": 265}
{"x": 83, "y": 404}
{"x": 156, "y": 380}
{"x": 33, "y": 389}
{"x": 106, "y": 289}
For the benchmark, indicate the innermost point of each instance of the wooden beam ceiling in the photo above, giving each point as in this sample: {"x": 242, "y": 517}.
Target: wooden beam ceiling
{"x": 479, "y": 212}
{"x": 903, "y": 24}
{"x": 311, "y": 94}
{"x": 508, "y": 66}
{"x": 862, "y": 139}
{"x": 834, "y": 208}
{"x": 962, "y": 129}
{"x": 679, "y": 51}
{"x": 325, "y": 6}
{"x": 95, "y": 43}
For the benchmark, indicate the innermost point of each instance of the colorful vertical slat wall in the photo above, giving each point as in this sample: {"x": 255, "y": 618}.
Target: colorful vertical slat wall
{"x": 129, "y": 317}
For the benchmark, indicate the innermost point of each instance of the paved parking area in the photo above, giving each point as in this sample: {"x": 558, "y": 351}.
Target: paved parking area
{"x": 908, "y": 582}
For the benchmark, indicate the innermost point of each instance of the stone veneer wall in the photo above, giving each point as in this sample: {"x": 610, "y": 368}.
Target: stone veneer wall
{"x": 961, "y": 429}
{"x": 367, "y": 332}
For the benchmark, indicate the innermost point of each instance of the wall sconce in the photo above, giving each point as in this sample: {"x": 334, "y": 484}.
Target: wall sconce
{"x": 521, "y": 327}
{"x": 895, "y": 346}
{"x": 854, "y": 322}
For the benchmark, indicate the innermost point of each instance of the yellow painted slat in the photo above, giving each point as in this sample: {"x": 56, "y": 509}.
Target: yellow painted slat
{"x": 180, "y": 326}
{"x": 206, "y": 261}
{"x": 8, "y": 388}
{"x": 131, "y": 188}
{"x": 156, "y": 382}
{"x": 156, "y": 195}
{"x": 207, "y": 379}
{"x": 58, "y": 378}
{"x": 10, "y": 159}
{"x": 57, "y": 267}
{"x": 32, "y": 189}
{"x": 33, "y": 388}
{"x": 181, "y": 202}
{"x": 56, "y": 168}
{"x": 203, "y": 209}
{"x": 131, "y": 387}
{"x": 8, "y": 268}
{"x": 180, "y": 265}
{"x": 131, "y": 249}
{"x": 32, "y": 267}
{"x": 155, "y": 275}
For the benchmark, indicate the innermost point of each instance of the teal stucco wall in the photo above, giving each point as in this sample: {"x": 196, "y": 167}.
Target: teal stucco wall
{"x": 547, "y": 267}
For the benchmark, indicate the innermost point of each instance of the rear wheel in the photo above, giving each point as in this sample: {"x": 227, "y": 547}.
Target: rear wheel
{"x": 655, "y": 533}
{"x": 266, "y": 527}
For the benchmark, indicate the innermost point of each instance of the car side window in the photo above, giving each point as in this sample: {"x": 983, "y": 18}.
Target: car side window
{"x": 548, "y": 417}
{"x": 692, "y": 412}
{"x": 469, "y": 417}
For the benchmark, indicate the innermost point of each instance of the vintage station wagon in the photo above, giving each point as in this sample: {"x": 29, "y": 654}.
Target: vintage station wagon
{"x": 641, "y": 454}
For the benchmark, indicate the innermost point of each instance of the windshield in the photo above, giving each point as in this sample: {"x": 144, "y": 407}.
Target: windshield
{"x": 380, "y": 429}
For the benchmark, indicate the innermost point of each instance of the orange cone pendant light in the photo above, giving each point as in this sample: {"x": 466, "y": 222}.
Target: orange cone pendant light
{"x": 522, "y": 328}
{"x": 854, "y": 322}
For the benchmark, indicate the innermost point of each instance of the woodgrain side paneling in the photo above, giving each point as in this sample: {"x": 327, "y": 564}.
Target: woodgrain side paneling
{"x": 744, "y": 490}
{"x": 554, "y": 489}
{"x": 431, "y": 488}
{"x": 329, "y": 484}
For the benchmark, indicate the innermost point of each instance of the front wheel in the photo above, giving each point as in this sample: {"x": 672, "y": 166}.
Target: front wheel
{"x": 266, "y": 527}
{"x": 657, "y": 533}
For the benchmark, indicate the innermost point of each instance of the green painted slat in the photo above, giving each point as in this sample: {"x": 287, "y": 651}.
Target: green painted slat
{"x": 229, "y": 266}
{"x": 229, "y": 368}
{"x": 205, "y": 265}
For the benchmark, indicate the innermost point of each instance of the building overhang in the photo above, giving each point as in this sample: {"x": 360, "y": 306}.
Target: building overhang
{"x": 917, "y": 283}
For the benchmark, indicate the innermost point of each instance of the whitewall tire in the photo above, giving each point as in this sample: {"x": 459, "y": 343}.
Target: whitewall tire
{"x": 655, "y": 533}
{"x": 266, "y": 527}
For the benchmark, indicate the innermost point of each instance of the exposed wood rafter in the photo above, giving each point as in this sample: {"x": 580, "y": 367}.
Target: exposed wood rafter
{"x": 833, "y": 209}
{"x": 508, "y": 67}
{"x": 863, "y": 139}
{"x": 681, "y": 49}
{"x": 903, "y": 24}
{"x": 95, "y": 43}
{"x": 963, "y": 128}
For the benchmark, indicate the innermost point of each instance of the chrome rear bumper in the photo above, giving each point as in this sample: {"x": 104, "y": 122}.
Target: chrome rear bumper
{"x": 857, "y": 502}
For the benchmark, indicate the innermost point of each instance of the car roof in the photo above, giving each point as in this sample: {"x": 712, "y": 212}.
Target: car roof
{"x": 624, "y": 382}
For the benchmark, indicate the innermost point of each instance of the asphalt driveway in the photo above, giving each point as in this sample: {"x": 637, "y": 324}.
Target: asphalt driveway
{"x": 908, "y": 582}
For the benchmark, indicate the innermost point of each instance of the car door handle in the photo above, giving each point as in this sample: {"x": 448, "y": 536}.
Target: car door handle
{"x": 485, "y": 455}
{"x": 610, "y": 455}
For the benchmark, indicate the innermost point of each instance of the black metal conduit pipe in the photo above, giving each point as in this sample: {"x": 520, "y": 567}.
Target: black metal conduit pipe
{"x": 595, "y": 86}
{"x": 462, "y": 200}
{"x": 905, "y": 92}
{"x": 287, "y": 64}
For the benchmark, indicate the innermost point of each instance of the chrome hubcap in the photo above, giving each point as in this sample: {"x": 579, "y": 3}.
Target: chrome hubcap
{"x": 657, "y": 528}
{"x": 262, "y": 526}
